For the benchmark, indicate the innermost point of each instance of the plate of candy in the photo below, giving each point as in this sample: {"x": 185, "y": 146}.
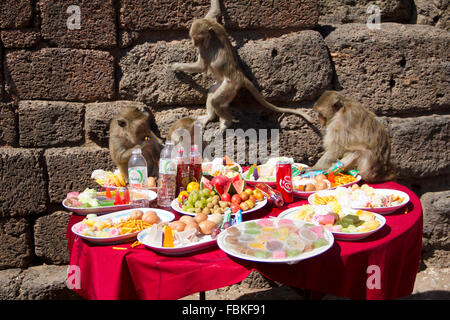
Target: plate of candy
{"x": 344, "y": 223}
{"x": 274, "y": 240}
{"x": 121, "y": 226}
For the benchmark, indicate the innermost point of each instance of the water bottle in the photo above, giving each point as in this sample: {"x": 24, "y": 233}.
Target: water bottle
{"x": 137, "y": 169}
{"x": 167, "y": 176}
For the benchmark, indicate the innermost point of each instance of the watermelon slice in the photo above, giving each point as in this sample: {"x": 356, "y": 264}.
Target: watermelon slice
{"x": 237, "y": 185}
{"x": 205, "y": 183}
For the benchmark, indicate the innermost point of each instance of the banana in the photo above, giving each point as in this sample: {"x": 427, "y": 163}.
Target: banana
{"x": 121, "y": 180}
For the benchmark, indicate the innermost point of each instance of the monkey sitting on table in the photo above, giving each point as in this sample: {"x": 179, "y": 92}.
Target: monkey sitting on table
{"x": 130, "y": 129}
{"x": 216, "y": 54}
{"x": 355, "y": 137}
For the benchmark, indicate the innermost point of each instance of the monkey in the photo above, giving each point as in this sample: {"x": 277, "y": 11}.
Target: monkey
{"x": 187, "y": 124}
{"x": 354, "y": 136}
{"x": 129, "y": 130}
{"x": 216, "y": 54}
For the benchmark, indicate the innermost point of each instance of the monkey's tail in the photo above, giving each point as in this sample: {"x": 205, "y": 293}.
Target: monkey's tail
{"x": 259, "y": 97}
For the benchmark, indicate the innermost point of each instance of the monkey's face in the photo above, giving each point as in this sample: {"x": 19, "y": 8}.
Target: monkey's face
{"x": 327, "y": 105}
{"x": 134, "y": 126}
{"x": 199, "y": 33}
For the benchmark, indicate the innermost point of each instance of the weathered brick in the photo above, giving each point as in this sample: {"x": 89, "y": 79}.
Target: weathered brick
{"x": 23, "y": 38}
{"x": 436, "y": 227}
{"x": 344, "y": 11}
{"x": 8, "y": 124}
{"x": 238, "y": 14}
{"x": 61, "y": 74}
{"x": 99, "y": 115}
{"x": 16, "y": 249}
{"x": 15, "y": 13}
{"x": 69, "y": 169}
{"x": 420, "y": 145}
{"x": 399, "y": 69}
{"x": 292, "y": 68}
{"x": 23, "y": 189}
{"x": 97, "y": 23}
{"x": 50, "y": 243}
{"x": 50, "y": 123}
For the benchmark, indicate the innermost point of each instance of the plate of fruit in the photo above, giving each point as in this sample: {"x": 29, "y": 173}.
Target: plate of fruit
{"x": 344, "y": 223}
{"x": 183, "y": 236}
{"x": 209, "y": 198}
{"x": 267, "y": 172}
{"x": 303, "y": 187}
{"x": 274, "y": 240}
{"x": 90, "y": 201}
{"x": 121, "y": 226}
{"x": 221, "y": 166}
{"x": 382, "y": 201}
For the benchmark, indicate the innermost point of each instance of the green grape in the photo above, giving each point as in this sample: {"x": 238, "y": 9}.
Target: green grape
{"x": 198, "y": 204}
{"x": 194, "y": 197}
{"x": 210, "y": 199}
{"x": 190, "y": 210}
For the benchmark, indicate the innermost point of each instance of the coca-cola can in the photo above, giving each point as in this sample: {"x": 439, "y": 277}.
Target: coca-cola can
{"x": 284, "y": 180}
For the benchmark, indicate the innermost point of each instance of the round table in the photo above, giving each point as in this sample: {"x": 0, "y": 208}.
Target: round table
{"x": 382, "y": 266}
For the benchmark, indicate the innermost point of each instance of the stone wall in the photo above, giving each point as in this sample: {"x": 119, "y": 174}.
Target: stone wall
{"x": 60, "y": 87}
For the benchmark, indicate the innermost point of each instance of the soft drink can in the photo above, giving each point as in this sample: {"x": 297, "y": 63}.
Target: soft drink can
{"x": 284, "y": 180}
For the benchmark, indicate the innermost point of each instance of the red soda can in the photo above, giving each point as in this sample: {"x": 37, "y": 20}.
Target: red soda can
{"x": 284, "y": 180}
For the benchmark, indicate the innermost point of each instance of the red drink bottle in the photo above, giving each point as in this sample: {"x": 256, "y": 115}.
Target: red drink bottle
{"x": 284, "y": 180}
{"x": 273, "y": 196}
{"x": 182, "y": 170}
{"x": 196, "y": 164}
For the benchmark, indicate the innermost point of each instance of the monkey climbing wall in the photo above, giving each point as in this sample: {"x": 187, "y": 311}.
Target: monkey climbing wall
{"x": 68, "y": 66}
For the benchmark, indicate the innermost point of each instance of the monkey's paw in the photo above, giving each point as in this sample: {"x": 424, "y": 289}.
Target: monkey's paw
{"x": 174, "y": 67}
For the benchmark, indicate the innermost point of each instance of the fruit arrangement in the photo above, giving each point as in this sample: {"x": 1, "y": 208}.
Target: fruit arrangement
{"x": 215, "y": 196}
{"x": 90, "y": 198}
{"x": 221, "y": 166}
{"x": 273, "y": 239}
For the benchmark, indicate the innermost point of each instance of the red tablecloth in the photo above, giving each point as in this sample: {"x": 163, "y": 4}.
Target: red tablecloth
{"x": 344, "y": 270}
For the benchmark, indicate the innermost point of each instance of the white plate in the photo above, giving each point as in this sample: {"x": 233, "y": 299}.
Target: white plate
{"x": 165, "y": 216}
{"x": 176, "y": 206}
{"x": 383, "y": 210}
{"x": 306, "y": 194}
{"x": 271, "y": 184}
{"x": 287, "y": 214}
{"x": 97, "y": 210}
{"x": 205, "y": 242}
{"x": 291, "y": 260}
